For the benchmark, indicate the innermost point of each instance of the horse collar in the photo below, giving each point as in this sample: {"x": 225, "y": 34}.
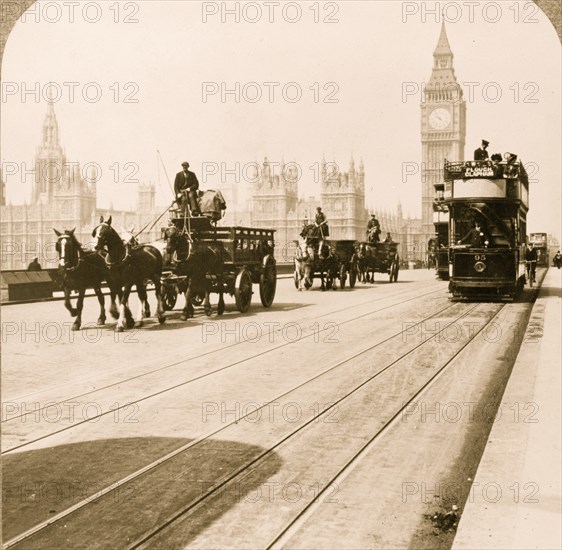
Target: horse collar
{"x": 125, "y": 258}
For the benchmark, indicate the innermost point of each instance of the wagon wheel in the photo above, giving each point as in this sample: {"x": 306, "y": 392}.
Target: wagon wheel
{"x": 396, "y": 268}
{"x": 343, "y": 275}
{"x": 393, "y": 270}
{"x": 169, "y": 297}
{"x": 353, "y": 272}
{"x": 268, "y": 281}
{"x": 243, "y": 290}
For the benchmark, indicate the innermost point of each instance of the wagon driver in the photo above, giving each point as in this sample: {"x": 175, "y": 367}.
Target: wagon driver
{"x": 185, "y": 188}
{"x": 321, "y": 223}
{"x": 373, "y": 229}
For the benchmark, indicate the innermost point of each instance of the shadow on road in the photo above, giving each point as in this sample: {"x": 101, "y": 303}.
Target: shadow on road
{"x": 41, "y": 483}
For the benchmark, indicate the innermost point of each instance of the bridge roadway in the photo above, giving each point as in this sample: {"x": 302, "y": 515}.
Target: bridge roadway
{"x": 337, "y": 419}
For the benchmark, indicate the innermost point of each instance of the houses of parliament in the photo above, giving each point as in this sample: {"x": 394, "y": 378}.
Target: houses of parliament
{"x": 63, "y": 198}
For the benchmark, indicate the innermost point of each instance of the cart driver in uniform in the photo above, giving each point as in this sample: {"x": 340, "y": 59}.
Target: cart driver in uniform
{"x": 373, "y": 229}
{"x": 186, "y": 186}
{"x": 481, "y": 153}
{"x": 322, "y": 224}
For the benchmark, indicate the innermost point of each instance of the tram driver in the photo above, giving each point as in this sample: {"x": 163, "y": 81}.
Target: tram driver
{"x": 477, "y": 237}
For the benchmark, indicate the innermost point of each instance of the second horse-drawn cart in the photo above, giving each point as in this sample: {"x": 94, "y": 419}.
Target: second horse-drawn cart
{"x": 331, "y": 260}
{"x": 378, "y": 258}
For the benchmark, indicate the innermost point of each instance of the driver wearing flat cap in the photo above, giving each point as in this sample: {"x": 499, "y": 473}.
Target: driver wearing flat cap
{"x": 185, "y": 188}
{"x": 481, "y": 153}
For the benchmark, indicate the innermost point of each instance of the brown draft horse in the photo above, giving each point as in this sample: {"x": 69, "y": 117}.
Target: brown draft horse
{"x": 195, "y": 261}
{"x": 79, "y": 270}
{"x": 309, "y": 261}
{"x": 128, "y": 266}
{"x": 366, "y": 262}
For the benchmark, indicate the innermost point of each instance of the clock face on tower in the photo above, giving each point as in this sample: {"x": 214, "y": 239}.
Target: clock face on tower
{"x": 439, "y": 119}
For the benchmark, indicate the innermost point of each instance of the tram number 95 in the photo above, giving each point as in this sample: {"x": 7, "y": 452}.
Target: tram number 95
{"x": 478, "y": 257}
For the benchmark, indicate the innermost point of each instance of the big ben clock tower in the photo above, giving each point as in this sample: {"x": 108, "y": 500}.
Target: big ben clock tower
{"x": 443, "y": 127}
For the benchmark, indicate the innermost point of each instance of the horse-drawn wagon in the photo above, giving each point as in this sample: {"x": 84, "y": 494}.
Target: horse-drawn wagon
{"x": 203, "y": 258}
{"x": 328, "y": 259}
{"x": 377, "y": 258}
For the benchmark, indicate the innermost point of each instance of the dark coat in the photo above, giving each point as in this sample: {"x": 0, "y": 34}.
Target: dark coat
{"x": 476, "y": 237}
{"x": 182, "y": 182}
{"x": 373, "y": 223}
{"x": 322, "y": 223}
{"x": 531, "y": 254}
{"x": 34, "y": 266}
{"x": 480, "y": 154}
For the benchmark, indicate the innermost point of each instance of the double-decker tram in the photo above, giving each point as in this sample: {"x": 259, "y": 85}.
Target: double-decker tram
{"x": 540, "y": 244}
{"x": 488, "y": 204}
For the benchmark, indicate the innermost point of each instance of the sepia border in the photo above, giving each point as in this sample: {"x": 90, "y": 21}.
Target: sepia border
{"x": 551, "y": 8}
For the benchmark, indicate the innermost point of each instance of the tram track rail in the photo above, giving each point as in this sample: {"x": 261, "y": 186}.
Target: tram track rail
{"x": 206, "y": 354}
{"x": 115, "y": 409}
{"x": 162, "y": 460}
{"x": 287, "y": 533}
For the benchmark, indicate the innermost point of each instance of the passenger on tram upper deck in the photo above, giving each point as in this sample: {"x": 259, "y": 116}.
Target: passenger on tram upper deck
{"x": 498, "y": 168}
{"x": 510, "y": 170}
{"x": 388, "y": 238}
{"x": 481, "y": 153}
{"x": 477, "y": 237}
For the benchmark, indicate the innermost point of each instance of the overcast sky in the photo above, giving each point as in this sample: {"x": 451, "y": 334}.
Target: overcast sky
{"x": 365, "y": 57}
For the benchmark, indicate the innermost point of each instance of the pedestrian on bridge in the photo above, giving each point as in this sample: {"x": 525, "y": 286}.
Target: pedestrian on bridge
{"x": 34, "y": 265}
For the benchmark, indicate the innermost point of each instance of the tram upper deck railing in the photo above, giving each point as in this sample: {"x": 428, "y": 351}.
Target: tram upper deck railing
{"x": 487, "y": 169}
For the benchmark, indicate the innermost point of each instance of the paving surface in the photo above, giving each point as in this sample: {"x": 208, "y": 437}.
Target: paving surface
{"x": 334, "y": 419}
{"x": 518, "y": 488}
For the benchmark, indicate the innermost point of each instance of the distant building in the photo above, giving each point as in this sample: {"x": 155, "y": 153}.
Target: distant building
{"x": 62, "y": 198}
{"x": 276, "y": 205}
{"x": 342, "y": 198}
{"x": 274, "y": 202}
{"x": 443, "y": 127}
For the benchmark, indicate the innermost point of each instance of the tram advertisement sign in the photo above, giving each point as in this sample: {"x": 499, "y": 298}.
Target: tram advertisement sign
{"x": 479, "y": 188}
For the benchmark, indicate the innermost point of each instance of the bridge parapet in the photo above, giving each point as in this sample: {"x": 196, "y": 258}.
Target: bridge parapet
{"x": 19, "y": 284}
